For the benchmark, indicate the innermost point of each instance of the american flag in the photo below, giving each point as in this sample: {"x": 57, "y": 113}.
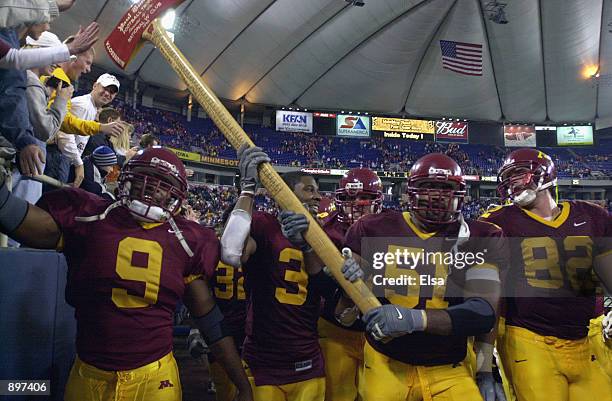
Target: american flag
{"x": 463, "y": 58}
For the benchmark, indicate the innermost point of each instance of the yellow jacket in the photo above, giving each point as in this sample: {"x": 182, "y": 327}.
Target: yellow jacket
{"x": 72, "y": 124}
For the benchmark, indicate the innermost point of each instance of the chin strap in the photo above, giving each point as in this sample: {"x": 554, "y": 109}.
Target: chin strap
{"x": 180, "y": 237}
{"x": 100, "y": 216}
{"x": 177, "y": 232}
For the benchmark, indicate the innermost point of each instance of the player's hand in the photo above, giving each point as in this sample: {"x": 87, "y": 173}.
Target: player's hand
{"x": 249, "y": 159}
{"x": 31, "y": 159}
{"x": 113, "y": 129}
{"x": 489, "y": 388}
{"x": 79, "y": 174}
{"x": 351, "y": 270}
{"x": 293, "y": 225}
{"x": 84, "y": 39}
{"x": 390, "y": 321}
{"x": 607, "y": 327}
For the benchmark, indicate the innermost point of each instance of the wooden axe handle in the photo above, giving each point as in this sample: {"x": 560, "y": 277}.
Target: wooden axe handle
{"x": 316, "y": 237}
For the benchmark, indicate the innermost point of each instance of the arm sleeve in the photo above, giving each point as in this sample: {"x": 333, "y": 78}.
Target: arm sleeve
{"x": 67, "y": 145}
{"x": 46, "y": 121}
{"x": 25, "y": 59}
{"x": 64, "y": 205}
{"x": 206, "y": 258}
{"x": 74, "y": 125}
{"x": 19, "y": 12}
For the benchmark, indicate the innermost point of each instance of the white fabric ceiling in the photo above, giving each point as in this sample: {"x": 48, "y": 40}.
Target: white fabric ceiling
{"x": 385, "y": 57}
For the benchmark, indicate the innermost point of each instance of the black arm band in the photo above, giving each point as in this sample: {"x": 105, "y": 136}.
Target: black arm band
{"x": 474, "y": 316}
{"x": 13, "y": 210}
{"x": 211, "y": 326}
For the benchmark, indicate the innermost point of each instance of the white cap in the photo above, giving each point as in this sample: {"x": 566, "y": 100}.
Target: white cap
{"x": 108, "y": 80}
{"x": 46, "y": 39}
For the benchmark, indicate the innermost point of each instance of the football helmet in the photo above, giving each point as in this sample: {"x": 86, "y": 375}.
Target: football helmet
{"x": 153, "y": 185}
{"x": 360, "y": 192}
{"x": 436, "y": 189}
{"x": 524, "y": 173}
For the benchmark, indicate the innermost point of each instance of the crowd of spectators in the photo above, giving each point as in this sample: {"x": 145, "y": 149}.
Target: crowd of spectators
{"x": 313, "y": 150}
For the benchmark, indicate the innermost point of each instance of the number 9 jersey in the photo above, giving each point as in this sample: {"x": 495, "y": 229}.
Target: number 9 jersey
{"x": 125, "y": 277}
{"x": 550, "y": 288}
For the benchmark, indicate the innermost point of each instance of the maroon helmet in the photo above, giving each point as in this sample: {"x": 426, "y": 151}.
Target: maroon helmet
{"x": 436, "y": 189}
{"x": 360, "y": 192}
{"x": 524, "y": 173}
{"x": 153, "y": 184}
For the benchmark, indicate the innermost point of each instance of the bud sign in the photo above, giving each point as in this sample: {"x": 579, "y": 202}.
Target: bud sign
{"x": 452, "y": 131}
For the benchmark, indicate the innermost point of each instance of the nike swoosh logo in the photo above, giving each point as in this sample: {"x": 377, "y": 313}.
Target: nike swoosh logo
{"x": 520, "y": 360}
{"x": 579, "y": 224}
{"x": 399, "y": 314}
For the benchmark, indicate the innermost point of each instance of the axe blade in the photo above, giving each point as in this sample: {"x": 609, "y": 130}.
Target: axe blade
{"x": 126, "y": 39}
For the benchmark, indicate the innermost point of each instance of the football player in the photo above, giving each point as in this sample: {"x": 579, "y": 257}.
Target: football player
{"x": 129, "y": 262}
{"x": 281, "y": 350}
{"x": 417, "y": 341}
{"x": 359, "y": 193}
{"x": 228, "y": 285}
{"x": 544, "y": 350}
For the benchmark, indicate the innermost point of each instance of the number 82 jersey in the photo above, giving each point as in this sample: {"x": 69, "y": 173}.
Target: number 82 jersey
{"x": 550, "y": 284}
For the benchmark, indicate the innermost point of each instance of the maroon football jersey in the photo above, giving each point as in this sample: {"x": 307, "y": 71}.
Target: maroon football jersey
{"x": 395, "y": 231}
{"x": 336, "y": 231}
{"x": 228, "y": 287}
{"x": 281, "y": 344}
{"x": 125, "y": 278}
{"x": 550, "y": 279}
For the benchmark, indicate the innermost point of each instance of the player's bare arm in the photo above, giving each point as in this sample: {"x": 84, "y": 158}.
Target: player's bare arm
{"x": 236, "y": 244}
{"x": 209, "y": 321}
{"x": 26, "y": 223}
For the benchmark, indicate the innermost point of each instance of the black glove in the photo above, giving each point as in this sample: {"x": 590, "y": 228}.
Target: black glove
{"x": 250, "y": 158}
{"x": 293, "y": 226}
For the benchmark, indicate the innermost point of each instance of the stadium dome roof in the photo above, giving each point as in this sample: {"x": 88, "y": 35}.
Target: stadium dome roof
{"x": 539, "y": 57}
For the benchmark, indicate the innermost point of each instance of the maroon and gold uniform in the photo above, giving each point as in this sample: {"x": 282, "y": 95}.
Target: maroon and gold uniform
{"x": 228, "y": 289}
{"x": 281, "y": 346}
{"x": 125, "y": 278}
{"x": 417, "y": 364}
{"x": 551, "y": 300}
{"x": 342, "y": 346}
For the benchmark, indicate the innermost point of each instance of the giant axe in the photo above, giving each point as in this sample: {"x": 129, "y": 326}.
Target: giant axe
{"x": 125, "y": 40}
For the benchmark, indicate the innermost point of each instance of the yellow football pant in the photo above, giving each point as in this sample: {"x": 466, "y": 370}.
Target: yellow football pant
{"x": 307, "y": 390}
{"x": 499, "y": 346}
{"x": 602, "y": 352}
{"x": 546, "y": 368}
{"x": 385, "y": 379}
{"x": 343, "y": 353}
{"x": 157, "y": 381}
{"x": 226, "y": 391}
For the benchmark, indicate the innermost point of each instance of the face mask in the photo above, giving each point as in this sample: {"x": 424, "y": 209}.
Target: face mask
{"x": 155, "y": 214}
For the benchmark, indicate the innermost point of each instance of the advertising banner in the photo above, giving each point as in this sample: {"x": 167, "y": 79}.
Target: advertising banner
{"x": 575, "y": 135}
{"x": 293, "y": 121}
{"x": 522, "y": 136}
{"x": 404, "y": 128}
{"x": 350, "y": 125}
{"x": 452, "y": 131}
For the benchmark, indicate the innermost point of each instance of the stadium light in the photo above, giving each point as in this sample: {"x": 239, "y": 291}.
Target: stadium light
{"x": 167, "y": 20}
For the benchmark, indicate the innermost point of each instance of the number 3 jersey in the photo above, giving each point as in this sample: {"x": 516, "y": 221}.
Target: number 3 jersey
{"x": 125, "y": 278}
{"x": 282, "y": 344}
{"x": 431, "y": 283}
{"x": 550, "y": 283}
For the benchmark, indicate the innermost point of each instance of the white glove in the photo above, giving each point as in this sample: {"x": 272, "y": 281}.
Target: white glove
{"x": 607, "y": 327}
